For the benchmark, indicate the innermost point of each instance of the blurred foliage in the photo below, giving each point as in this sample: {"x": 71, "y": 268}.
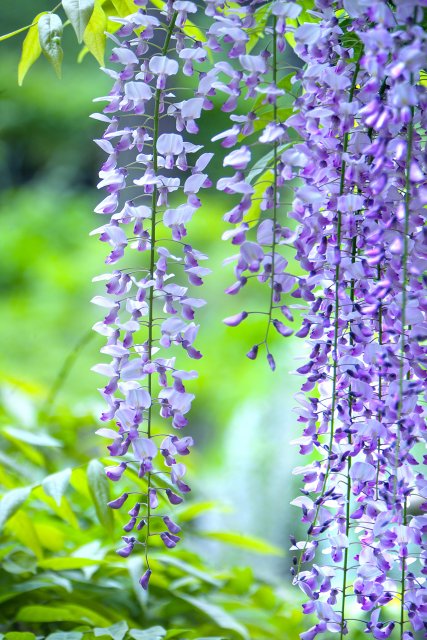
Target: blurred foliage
{"x": 58, "y": 569}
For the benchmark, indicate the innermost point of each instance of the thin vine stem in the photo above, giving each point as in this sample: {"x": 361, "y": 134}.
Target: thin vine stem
{"x": 157, "y": 102}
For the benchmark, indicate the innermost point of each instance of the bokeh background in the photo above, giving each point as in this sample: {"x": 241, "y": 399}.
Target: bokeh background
{"x": 242, "y": 418}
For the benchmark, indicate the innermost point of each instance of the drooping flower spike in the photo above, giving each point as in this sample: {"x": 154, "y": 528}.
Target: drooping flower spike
{"x": 362, "y": 242}
{"x": 355, "y": 144}
{"x": 258, "y": 230}
{"x": 148, "y": 310}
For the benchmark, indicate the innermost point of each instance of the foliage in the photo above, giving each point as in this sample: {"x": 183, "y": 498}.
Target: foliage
{"x": 59, "y": 576}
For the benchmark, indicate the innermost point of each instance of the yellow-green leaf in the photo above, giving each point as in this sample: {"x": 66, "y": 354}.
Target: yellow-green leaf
{"x": 22, "y": 527}
{"x": 67, "y": 563}
{"x": 31, "y": 49}
{"x": 94, "y": 35}
{"x": 56, "y": 484}
{"x": 64, "y": 612}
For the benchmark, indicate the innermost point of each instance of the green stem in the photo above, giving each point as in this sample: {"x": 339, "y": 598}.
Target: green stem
{"x": 275, "y": 158}
{"x": 380, "y": 385}
{"x": 157, "y": 100}
{"x": 348, "y": 496}
{"x": 64, "y": 372}
{"x": 6, "y": 36}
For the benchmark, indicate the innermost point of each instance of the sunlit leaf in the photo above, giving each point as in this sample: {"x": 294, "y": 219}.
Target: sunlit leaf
{"x": 50, "y": 34}
{"x": 19, "y": 635}
{"x": 50, "y": 535}
{"x": 11, "y": 502}
{"x": 64, "y": 511}
{"x": 243, "y": 541}
{"x": 94, "y": 35}
{"x": 67, "y": 563}
{"x": 31, "y": 49}
{"x": 116, "y": 631}
{"x": 38, "y": 439}
{"x": 22, "y": 527}
{"x": 99, "y": 488}
{"x": 78, "y": 13}
{"x": 56, "y": 484}
{"x": 61, "y": 613}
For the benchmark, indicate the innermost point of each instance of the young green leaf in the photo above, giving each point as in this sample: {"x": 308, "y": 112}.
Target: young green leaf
{"x": 153, "y": 633}
{"x": 56, "y": 484}
{"x": 65, "y": 635}
{"x": 64, "y": 563}
{"x": 94, "y": 35}
{"x": 31, "y": 49}
{"x": 100, "y": 491}
{"x": 11, "y": 502}
{"x": 78, "y": 13}
{"x": 116, "y": 631}
{"x": 50, "y": 34}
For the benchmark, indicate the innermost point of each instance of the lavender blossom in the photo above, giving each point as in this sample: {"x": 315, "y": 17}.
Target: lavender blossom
{"x": 146, "y": 311}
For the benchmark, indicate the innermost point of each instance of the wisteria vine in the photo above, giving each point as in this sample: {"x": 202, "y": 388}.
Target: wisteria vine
{"x": 147, "y": 311}
{"x": 343, "y": 131}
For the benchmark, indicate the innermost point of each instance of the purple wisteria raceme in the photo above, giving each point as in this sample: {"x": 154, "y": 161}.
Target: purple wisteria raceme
{"x": 152, "y": 175}
{"x": 362, "y": 243}
{"x": 258, "y": 231}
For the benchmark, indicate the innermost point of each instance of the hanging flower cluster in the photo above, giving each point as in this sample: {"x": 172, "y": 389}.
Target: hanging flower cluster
{"x": 350, "y": 144}
{"x": 361, "y": 120}
{"x": 150, "y": 161}
{"x": 258, "y": 78}
{"x": 359, "y": 204}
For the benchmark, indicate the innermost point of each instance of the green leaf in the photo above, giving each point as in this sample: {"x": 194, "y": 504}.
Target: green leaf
{"x": 65, "y": 635}
{"x": 243, "y": 541}
{"x": 64, "y": 612}
{"x": 116, "y": 631}
{"x": 20, "y": 561}
{"x": 19, "y": 635}
{"x": 153, "y": 633}
{"x": 99, "y": 488}
{"x": 56, "y": 484}
{"x": 38, "y": 439}
{"x": 31, "y": 49}
{"x": 78, "y": 13}
{"x": 94, "y": 35}
{"x": 217, "y": 614}
{"x": 67, "y": 563}
{"x": 50, "y": 34}
{"x": 11, "y": 502}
